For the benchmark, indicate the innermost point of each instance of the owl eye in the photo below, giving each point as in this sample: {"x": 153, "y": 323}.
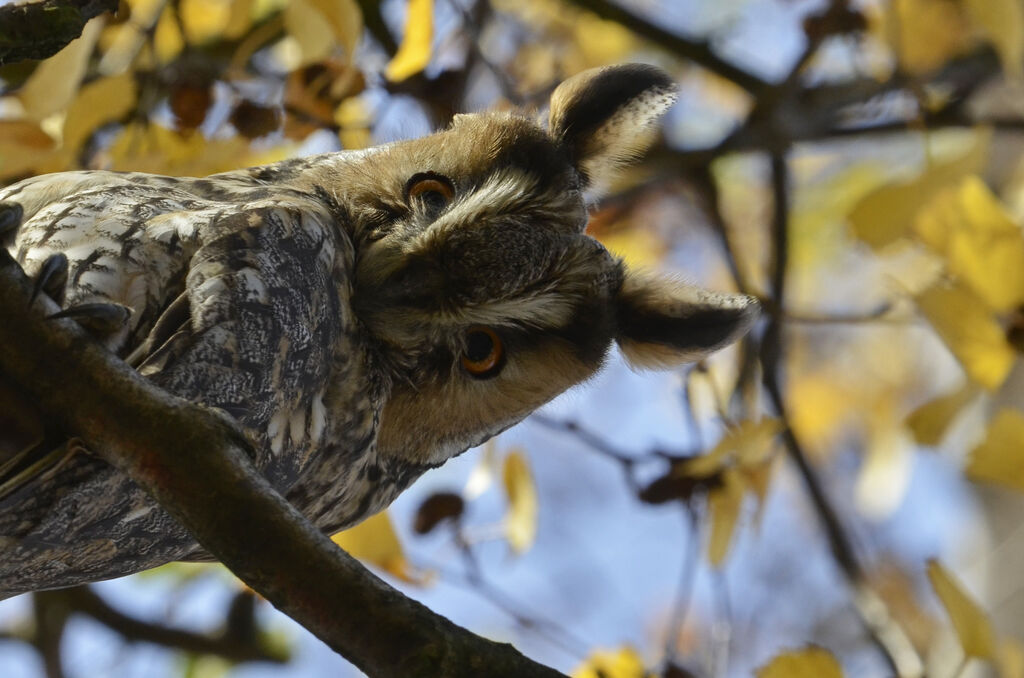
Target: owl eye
{"x": 430, "y": 190}
{"x": 484, "y": 356}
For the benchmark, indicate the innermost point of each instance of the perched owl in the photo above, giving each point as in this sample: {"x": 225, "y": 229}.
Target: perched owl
{"x": 364, "y": 316}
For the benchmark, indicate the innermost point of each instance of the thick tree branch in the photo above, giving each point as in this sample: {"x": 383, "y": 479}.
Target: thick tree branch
{"x": 195, "y": 463}
{"x": 36, "y": 30}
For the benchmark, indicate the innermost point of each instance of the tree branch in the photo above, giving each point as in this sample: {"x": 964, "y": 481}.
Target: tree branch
{"x": 82, "y": 599}
{"x": 36, "y": 30}
{"x": 886, "y": 634}
{"x": 697, "y": 51}
{"x": 196, "y": 464}
{"x": 374, "y": 22}
{"x": 51, "y": 617}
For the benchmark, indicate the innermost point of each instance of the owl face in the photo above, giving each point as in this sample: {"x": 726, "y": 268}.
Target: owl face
{"x": 482, "y": 296}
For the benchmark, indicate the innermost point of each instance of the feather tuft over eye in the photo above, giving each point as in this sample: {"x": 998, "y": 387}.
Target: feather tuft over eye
{"x": 433, "y": 191}
{"x": 485, "y": 354}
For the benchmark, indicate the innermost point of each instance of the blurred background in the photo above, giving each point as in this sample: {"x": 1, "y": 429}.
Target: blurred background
{"x": 839, "y": 494}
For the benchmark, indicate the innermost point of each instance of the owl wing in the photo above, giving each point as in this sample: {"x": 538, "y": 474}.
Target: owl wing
{"x": 254, "y": 328}
{"x": 257, "y": 327}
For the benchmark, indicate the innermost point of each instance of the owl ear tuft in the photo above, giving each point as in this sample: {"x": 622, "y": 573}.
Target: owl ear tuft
{"x": 605, "y": 118}
{"x": 663, "y": 323}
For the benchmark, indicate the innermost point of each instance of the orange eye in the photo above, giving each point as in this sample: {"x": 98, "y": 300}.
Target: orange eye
{"x": 432, "y": 190}
{"x": 484, "y": 356}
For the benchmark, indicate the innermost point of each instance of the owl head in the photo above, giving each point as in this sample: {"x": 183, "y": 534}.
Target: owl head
{"x": 481, "y": 294}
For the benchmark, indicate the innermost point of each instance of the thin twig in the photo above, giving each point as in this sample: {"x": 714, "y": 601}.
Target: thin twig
{"x": 697, "y": 51}
{"x": 886, "y": 634}
{"x": 373, "y": 19}
{"x": 878, "y": 316}
{"x": 473, "y": 579}
{"x": 684, "y": 594}
{"x": 590, "y": 439}
{"x": 703, "y": 180}
{"x": 472, "y": 24}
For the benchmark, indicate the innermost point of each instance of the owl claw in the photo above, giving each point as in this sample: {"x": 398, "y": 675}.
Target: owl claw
{"x": 100, "y": 320}
{"x": 32, "y": 464}
{"x": 10, "y": 218}
{"x": 52, "y": 278}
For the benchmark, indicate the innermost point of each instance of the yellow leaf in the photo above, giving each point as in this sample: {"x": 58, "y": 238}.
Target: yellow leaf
{"x": 1002, "y": 21}
{"x": 622, "y": 663}
{"x": 99, "y": 102}
{"x": 414, "y": 53}
{"x": 154, "y": 148}
{"x": 930, "y": 421}
{"x": 884, "y": 215}
{"x": 599, "y": 42}
{"x": 345, "y": 20}
{"x": 811, "y": 662}
{"x": 638, "y": 247}
{"x": 925, "y": 34}
{"x": 746, "y": 444}
{"x": 53, "y": 84}
{"x": 205, "y": 666}
{"x": 983, "y": 246}
{"x": 1000, "y": 457}
{"x": 129, "y": 36}
{"x": 724, "y": 504}
{"x": 374, "y": 541}
{"x": 967, "y": 327}
{"x": 817, "y": 426}
{"x": 311, "y": 32}
{"x": 1011, "y": 659}
{"x": 354, "y": 120}
{"x": 884, "y": 474}
{"x": 484, "y": 472}
{"x": 167, "y": 39}
{"x": 240, "y": 18}
{"x": 521, "y": 519}
{"x": 819, "y": 208}
{"x": 971, "y": 624}
{"x": 758, "y": 480}
{"x": 24, "y": 146}
{"x": 203, "y": 21}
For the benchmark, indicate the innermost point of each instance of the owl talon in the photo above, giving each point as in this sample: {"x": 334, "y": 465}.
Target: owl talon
{"x": 52, "y": 278}
{"x": 100, "y": 320}
{"x": 10, "y": 218}
{"x": 30, "y": 464}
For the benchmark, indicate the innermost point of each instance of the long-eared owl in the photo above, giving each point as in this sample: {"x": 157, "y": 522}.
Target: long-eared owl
{"x": 364, "y": 316}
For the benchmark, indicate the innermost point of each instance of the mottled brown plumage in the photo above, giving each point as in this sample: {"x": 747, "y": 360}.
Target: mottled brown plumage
{"x": 365, "y": 316}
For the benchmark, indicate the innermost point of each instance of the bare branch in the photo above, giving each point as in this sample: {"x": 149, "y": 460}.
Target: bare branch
{"x": 374, "y": 22}
{"x": 697, "y": 51}
{"x": 51, "y": 618}
{"x": 887, "y": 635}
{"x": 82, "y": 599}
{"x": 184, "y": 454}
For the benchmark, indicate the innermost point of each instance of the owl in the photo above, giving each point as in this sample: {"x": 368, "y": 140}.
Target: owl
{"x": 364, "y": 316}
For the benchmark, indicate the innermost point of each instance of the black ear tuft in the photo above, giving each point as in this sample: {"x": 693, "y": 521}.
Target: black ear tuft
{"x": 664, "y": 323}
{"x": 605, "y": 117}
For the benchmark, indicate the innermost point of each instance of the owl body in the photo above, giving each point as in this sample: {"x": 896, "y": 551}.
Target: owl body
{"x": 363, "y": 316}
